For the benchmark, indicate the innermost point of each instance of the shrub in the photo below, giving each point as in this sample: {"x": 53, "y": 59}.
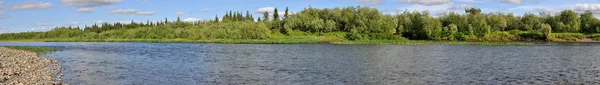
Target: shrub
{"x": 531, "y": 35}
{"x": 500, "y": 36}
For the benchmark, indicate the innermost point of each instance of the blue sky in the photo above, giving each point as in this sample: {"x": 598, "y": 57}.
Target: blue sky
{"x": 41, "y": 15}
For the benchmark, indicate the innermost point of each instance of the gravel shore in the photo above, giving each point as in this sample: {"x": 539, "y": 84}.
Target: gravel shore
{"x": 19, "y": 67}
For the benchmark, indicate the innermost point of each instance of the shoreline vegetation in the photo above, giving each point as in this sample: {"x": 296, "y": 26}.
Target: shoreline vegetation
{"x": 22, "y": 65}
{"x": 341, "y": 25}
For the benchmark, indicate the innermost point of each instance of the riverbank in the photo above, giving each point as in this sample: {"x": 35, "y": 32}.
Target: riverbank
{"x": 23, "y": 66}
{"x": 299, "y": 41}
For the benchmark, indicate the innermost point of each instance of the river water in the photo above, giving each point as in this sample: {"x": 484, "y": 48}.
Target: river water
{"x": 323, "y": 64}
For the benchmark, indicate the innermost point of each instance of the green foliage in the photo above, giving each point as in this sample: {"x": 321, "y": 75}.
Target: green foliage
{"x": 500, "y": 36}
{"x": 531, "y": 35}
{"x": 546, "y": 30}
{"x": 355, "y": 23}
{"x": 567, "y": 36}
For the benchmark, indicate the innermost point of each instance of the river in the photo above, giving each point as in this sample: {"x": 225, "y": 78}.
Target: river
{"x": 322, "y": 64}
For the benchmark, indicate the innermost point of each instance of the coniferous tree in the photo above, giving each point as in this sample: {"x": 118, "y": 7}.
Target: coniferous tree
{"x": 258, "y": 19}
{"x": 216, "y": 18}
{"x": 275, "y": 15}
{"x": 286, "y": 13}
{"x": 266, "y": 16}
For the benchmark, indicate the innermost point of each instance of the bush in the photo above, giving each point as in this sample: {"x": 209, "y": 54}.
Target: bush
{"x": 568, "y": 35}
{"x": 531, "y": 35}
{"x": 595, "y": 35}
{"x": 470, "y": 38}
{"x": 500, "y": 36}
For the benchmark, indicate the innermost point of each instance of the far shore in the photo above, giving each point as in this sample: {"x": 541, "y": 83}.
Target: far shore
{"x": 312, "y": 41}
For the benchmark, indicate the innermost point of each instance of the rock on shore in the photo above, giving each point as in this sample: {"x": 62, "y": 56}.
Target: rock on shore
{"x": 19, "y": 67}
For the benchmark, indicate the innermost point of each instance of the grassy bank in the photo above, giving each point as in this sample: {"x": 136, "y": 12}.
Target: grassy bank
{"x": 38, "y": 50}
{"x": 424, "y": 42}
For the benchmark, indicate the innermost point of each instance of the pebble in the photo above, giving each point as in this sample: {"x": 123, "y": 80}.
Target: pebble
{"x": 19, "y": 67}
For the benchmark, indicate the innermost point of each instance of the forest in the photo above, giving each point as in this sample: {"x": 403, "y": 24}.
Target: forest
{"x": 346, "y": 23}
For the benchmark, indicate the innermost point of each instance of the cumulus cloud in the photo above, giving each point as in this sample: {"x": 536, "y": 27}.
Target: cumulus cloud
{"x": 191, "y": 20}
{"x": 180, "y": 13}
{"x": 30, "y": 6}
{"x": 265, "y": 9}
{"x": 425, "y": 2}
{"x": 131, "y": 12}
{"x": 584, "y": 7}
{"x": 43, "y": 24}
{"x": 595, "y": 8}
{"x": 86, "y": 10}
{"x": 205, "y": 10}
{"x": 371, "y": 2}
{"x": 73, "y": 23}
{"x": 89, "y": 3}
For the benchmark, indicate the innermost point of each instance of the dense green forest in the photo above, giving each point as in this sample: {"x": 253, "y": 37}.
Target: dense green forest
{"x": 349, "y": 23}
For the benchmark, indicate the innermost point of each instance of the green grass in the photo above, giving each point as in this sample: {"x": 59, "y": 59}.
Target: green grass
{"x": 424, "y": 42}
{"x": 38, "y": 50}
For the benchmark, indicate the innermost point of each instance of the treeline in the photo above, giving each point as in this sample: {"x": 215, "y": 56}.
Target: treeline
{"x": 360, "y": 23}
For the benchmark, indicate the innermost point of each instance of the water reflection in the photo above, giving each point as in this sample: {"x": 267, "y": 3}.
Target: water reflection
{"x": 325, "y": 64}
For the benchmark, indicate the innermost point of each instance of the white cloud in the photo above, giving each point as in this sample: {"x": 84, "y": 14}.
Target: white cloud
{"x": 73, "y": 23}
{"x": 191, "y": 19}
{"x": 89, "y": 3}
{"x": 3, "y": 27}
{"x": 180, "y": 13}
{"x": 461, "y": 7}
{"x": 470, "y": 1}
{"x": 548, "y": 10}
{"x": 584, "y": 7}
{"x": 595, "y": 8}
{"x": 44, "y": 24}
{"x": 425, "y": 2}
{"x": 30, "y": 6}
{"x": 371, "y": 2}
{"x": 146, "y": 13}
{"x": 101, "y": 21}
{"x": 513, "y": 1}
{"x": 265, "y": 9}
{"x": 39, "y": 29}
{"x": 432, "y": 8}
{"x": 131, "y": 12}
{"x": 205, "y": 10}
{"x": 86, "y": 10}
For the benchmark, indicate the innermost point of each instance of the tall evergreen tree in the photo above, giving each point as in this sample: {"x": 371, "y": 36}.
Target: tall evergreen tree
{"x": 266, "y": 16}
{"x": 249, "y": 16}
{"x": 275, "y": 15}
{"x": 286, "y": 13}
{"x": 216, "y": 18}
{"x": 258, "y": 19}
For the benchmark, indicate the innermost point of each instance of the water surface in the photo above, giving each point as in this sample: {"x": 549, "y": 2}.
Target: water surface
{"x": 324, "y": 64}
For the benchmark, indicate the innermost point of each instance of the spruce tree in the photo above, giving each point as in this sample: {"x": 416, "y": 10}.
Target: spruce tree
{"x": 266, "y": 16}
{"x": 216, "y": 18}
{"x": 275, "y": 15}
{"x": 285, "y": 16}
